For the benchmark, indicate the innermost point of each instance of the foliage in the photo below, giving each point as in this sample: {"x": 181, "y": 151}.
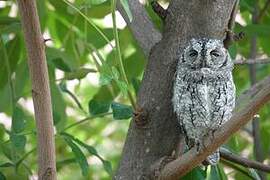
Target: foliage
{"x": 95, "y": 71}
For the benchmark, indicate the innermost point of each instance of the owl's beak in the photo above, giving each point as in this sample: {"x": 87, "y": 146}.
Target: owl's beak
{"x": 203, "y": 62}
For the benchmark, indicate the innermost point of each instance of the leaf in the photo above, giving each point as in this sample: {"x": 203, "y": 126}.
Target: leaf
{"x": 9, "y": 24}
{"x": 254, "y": 174}
{"x": 115, "y": 73}
{"x": 18, "y": 120}
{"x": 197, "y": 173}
{"x": 108, "y": 167}
{"x": 12, "y": 49}
{"x": 106, "y": 164}
{"x": 215, "y": 173}
{"x": 105, "y": 79}
{"x": 126, "y": 8}
{"x": 95, "y": 2}
{"x": 58, "y": 105}
{"x": 122, "y": 86}
{"x": 89, "y": 148}
{"x": 78, "y": 74}
{"x": 106, "y": 75}
{"x": 80, "y": 158}
{"x": 257, "y": 29}
{"x": 136, "y": 84}
{"x": 59, "y": 59}
{"x": 2, "y": 176}
{"x": 18, "y": 141}
{"x": 60, "y": 64}
{"x": 6, "y": 20}
{"x": 121, "y": 111}
{"x": 7, "y": 164}
{"x": 98, "y": 107}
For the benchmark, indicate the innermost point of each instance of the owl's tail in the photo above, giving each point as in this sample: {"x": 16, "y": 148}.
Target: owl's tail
{"x": 212, "y": 159}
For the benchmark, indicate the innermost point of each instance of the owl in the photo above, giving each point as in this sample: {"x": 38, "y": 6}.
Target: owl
{"x": 203, "y": 91}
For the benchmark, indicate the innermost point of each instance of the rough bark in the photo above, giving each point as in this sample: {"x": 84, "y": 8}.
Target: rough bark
{"x": 40, "y": 88}
{"x": 186, "y": 20}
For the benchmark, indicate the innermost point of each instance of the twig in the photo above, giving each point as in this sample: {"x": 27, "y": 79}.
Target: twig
{"x": 40, "y": 88}
{"x": 238, "y": 168}
{"x": 141, "y": 26}
{"x": 229, "y": 39}
{"x": 257, "y": 147}
{"x": 243, "y": 161}
{"x": 84, "y": 120}
{"x": 248, "y": 105}
{"x": 252, "y": 61}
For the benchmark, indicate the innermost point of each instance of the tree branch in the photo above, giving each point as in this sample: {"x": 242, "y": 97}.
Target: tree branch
{"x": 263, "y": 11}
{"x": 247, "y": 106}
{"x": 141, "y": 26}
{"x": 252, "y": 61}
{"x": 243, "y": 161}
{"x": 40, "y": 88}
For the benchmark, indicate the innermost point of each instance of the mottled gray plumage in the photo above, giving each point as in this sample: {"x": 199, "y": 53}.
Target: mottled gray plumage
{"x": 204, "y": 91}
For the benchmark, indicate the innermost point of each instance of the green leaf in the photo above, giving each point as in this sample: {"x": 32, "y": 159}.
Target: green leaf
{"x": 257, "y": 29}
{"x": 105, "y": 79}
{"x": 98, "y": 107}
{"x": 126, "y": 8}
{"x": 7, "y": 164}
{"x": 233, "y": 51}
{"x": 89, "y": 148}
{"x": 254, "y": 174}
{"x": 2, "y": 176}
{"x": 197, "y": 173}
{"x": 60, "y": 64}
{"x": 59, "y": 59}
{"x": 79, "y": 73}
{"x": 6, "y": 20}
{"x": 123, "y": 87}
{"x": 106, "y": 75}
{"x": 108, "y": 167}
{"x": 106, "y": 164}
{"x": 95, "y": 2}
{"x": 215, "y": 173}
{"x": 136, "y": 84}
{"x": 115, "y": 73}
{"x": 121, "y": 111}
{"x": 81, "y": 159}
{"x": 18, "y": 141}
{"x": 12, "y": 49}
{"x": 18, "y": 120}
{"x": 9, "y": 24}
{"x": 58, "y": 105}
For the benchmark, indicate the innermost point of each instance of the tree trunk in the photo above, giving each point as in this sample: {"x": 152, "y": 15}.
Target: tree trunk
{"x": 35, "y": 46}
{"x": 186, "y": 20}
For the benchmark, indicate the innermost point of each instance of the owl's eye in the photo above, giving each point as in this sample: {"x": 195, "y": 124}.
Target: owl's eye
{"x": 193, "y": 53}
{"x": 215, "y": 53}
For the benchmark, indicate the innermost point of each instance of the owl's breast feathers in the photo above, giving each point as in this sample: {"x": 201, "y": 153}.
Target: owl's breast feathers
{"x": 203, "y": 100}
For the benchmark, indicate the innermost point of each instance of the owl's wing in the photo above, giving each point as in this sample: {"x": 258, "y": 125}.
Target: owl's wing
{"x": 178, "y": 92}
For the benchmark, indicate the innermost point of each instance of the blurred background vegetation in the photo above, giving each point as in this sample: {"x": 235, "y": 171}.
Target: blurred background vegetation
{"x": 95, "y": 71}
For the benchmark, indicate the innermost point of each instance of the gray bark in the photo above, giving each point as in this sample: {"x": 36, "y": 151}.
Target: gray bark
{"x": 186, "y": 20}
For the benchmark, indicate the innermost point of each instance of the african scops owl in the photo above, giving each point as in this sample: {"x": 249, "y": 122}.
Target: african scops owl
{"x": 204, "y": 91}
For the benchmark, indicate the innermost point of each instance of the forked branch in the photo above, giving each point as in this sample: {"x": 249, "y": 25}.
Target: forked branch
{"x": 248, "y": 105}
